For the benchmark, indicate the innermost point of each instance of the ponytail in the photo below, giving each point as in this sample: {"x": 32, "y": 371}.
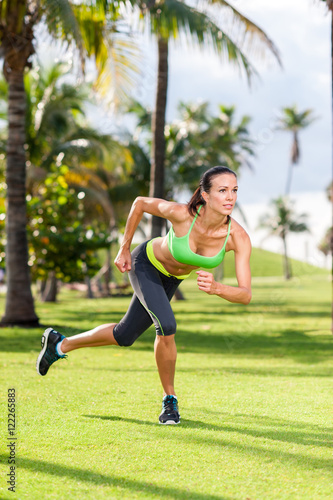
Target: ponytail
{"x": 195, "y": 202}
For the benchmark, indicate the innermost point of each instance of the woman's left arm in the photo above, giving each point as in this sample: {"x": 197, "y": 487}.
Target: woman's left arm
{"x": 241, "y": 294}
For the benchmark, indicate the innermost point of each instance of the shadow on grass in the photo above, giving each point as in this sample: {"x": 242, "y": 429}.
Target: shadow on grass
{"x": 288, "y": 343}
{"x": 281, "y": 372}
{"x": 304, "y": 434}
{"x": 87, "y": 476}
{"x": 298, "y": 345}
{"x": 306, "y": 461}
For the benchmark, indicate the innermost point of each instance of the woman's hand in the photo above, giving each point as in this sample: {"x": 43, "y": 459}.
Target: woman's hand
{"x": 123, "y": 260}
{"x": 206, "y": 282}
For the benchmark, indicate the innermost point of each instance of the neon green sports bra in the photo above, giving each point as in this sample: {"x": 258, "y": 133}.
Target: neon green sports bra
{"x": 180, "y": 249}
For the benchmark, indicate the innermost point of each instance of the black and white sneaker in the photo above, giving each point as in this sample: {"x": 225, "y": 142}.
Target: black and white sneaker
{"x": 48, "y": 355}
{"x": 170, "y": 413}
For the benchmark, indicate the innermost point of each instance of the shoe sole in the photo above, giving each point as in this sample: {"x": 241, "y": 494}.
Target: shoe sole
{"x": 170, "y": 422}
{"x": 45, "y": 338}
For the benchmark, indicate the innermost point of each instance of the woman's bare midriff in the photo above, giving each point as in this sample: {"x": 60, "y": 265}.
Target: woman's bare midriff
{"x": 163, "y": 255}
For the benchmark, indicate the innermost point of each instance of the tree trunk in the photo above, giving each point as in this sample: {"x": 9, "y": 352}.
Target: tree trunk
{"x": 108, "y": 272}
{"x": 156, "y": 188}
{"x": 287, "y": 269}
{"x": 42, "y": 286}
{"x": 19, "y": 301}
{"x": 90, "y": 293}
{"x": 179, "y": 295}
{"x": 51, "y": 289}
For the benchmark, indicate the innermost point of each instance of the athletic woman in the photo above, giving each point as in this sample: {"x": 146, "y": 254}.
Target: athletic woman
{"x": 201, "y": 232}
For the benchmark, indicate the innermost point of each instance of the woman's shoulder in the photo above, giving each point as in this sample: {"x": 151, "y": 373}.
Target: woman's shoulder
{"x": 179, "y": 212}
{"x": 239, "y": 237}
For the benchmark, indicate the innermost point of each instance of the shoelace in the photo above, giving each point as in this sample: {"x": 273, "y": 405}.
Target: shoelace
{"x": 170, "y": 404}
{"x": 51, "y": 358}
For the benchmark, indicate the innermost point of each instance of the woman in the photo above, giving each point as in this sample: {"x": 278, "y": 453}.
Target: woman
{"x": 202, "y": 231}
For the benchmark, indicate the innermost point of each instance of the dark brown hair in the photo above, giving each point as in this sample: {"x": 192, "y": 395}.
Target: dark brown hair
{"x": 205, "y": 185}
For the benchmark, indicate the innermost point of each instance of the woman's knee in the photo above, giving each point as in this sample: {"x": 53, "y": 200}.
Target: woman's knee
{"x": 166, "y": 328}
{"x": 165, "y": 340}
{"x": 125, "y": 337}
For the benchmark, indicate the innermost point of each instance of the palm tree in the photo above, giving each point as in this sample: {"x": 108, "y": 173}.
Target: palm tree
{"x": 293, "y": 121}
{"x": 198, "y": 140}
{"x": 326, "y": 244}
{"x": 88, "y": 26}
{"x": 195, "y": 140}
{"x": 282, "y": 222}
{"x": 170, "y": 18}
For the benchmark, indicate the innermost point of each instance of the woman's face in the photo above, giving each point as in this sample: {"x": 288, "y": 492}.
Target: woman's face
{"x": 223, "y": 194}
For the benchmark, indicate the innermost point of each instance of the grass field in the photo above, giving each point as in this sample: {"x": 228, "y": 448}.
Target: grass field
{"x": 255, "y": 391}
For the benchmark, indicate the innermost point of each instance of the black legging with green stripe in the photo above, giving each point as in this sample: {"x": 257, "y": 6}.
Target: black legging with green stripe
{"x": 150, "y": 303}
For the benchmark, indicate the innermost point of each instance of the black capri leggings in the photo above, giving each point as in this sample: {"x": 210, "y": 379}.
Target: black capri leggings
{"x": 150, "y": 303}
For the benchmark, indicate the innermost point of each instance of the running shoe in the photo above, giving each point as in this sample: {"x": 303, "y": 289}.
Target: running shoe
{"x": 48, "y": 355}
{"x": 170, "y": 413}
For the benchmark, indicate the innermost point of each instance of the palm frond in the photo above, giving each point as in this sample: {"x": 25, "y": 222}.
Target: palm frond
{"x": 172, "y": 17}
{"x": 248, "y": 34}
{"x": 106, "y": 39}
{"x": 62, "y": 23}
{"x": 121, "y": 71}
{"x": 291, "y": 119}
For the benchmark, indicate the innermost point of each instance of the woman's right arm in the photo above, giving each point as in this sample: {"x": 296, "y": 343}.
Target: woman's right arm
{"x": 154, "y": 206}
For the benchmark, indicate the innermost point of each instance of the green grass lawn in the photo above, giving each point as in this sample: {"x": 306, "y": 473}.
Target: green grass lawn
{"x": 255, "y": 391}
{"x": 265, "y": 263}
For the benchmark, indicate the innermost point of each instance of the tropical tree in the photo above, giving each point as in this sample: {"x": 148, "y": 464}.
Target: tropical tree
{"x": 61, "y": 245}
{"x": 326, "y": 244}
{"x": 56, "y": 122}
{"x": 108, "y": 189}
{"x": 195, "y": 140}
{"x": 291, "y": 120}
{"x": 178, "y": 20}
{"x": 57, "y": 132}
{"x": 89, "y": 27}
{"x": 282, "y": 221}
{"x": 199, "y": 139}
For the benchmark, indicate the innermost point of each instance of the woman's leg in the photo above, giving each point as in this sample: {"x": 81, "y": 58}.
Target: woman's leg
{"x": 99, "y": 336}
{"x": 155, "y": 290}
{"x": 165, "y": 356}
{"x": 55, "y": 345}
{"x": 130, "y": 327}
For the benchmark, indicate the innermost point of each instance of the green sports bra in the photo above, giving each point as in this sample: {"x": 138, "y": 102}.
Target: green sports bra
{"x": 180, "y": 249}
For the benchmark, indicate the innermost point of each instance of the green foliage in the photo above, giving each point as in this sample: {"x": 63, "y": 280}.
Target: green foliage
{"x": 326, "y": 244}
{"x": 57, "y": 131}
{"x": 59, "y": 239}
{"x": 56, "y": 122}
{"x": 293, "y": 120}
{"x": 196, "y": 25}
{"x": 195, "y": 141}
{"x": 94, "y": 30}
{"x": 200, "y": 140}
{"x": 283, "y": 219}
{"x": 2, "y": 224}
